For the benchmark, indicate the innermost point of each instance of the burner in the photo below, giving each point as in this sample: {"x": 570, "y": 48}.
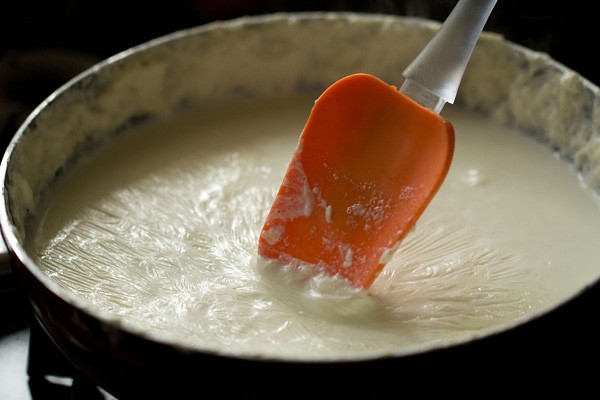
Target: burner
{"x": 14, "y": 340}
{"x": 31, "y": 366}
{"x": 51, "y": 374}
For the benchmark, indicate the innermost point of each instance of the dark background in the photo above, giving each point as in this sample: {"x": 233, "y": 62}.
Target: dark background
{"x": 45, "y": 43}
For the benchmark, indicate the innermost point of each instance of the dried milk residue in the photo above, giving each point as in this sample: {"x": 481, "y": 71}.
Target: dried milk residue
{"x": 297, "y": 200}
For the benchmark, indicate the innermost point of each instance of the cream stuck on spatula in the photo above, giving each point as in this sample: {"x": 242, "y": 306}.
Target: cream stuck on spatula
{"x": 370, "y": 159}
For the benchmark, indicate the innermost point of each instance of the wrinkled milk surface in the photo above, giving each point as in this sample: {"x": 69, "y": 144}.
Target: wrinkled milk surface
{"x": 160, "y": 233}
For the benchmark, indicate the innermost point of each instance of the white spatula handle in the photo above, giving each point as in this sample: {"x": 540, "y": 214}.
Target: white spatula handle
{"x": 432, "y": 79}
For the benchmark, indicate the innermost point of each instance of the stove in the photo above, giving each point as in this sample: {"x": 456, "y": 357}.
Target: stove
{"x": 14, "y": 343}
{"x": 31, "y": 366}
{"x": 57, "y": 42}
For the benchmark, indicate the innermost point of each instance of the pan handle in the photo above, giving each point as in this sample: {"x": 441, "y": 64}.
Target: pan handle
{"x": 7, "y": 278}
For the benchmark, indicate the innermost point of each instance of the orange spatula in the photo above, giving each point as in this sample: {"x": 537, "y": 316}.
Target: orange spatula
{"x": 370, "y": 159}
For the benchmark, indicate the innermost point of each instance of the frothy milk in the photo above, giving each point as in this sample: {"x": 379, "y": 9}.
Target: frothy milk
{"x": 160, "y": 232}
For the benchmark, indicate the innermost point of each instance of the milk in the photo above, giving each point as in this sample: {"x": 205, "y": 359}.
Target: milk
{"x": 159, "y": 234}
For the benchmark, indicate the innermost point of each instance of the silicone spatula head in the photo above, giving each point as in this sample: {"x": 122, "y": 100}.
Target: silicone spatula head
{"x": 368, "y": 162}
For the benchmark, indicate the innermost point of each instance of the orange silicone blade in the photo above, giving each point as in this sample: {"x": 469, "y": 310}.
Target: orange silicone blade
{"x": 368, "y": 163}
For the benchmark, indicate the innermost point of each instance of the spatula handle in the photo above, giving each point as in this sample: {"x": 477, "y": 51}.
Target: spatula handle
{"x": 432, "y": 79}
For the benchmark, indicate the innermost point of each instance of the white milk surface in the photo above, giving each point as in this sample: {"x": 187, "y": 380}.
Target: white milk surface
{"x": 159, "y": 233}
